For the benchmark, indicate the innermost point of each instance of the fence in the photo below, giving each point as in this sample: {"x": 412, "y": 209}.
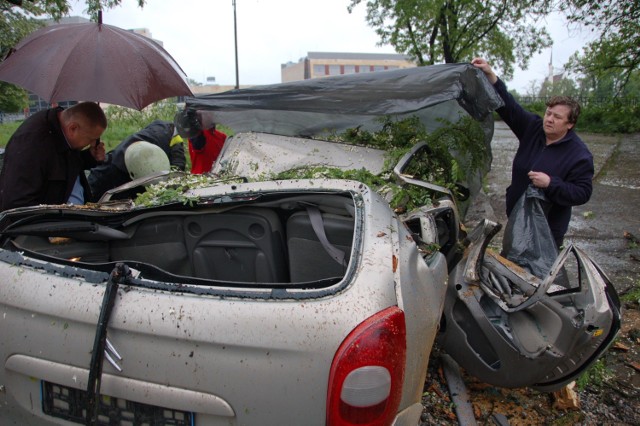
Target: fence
{"x": 6, "y": 117}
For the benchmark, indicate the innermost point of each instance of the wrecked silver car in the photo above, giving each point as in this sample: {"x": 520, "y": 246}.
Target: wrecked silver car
{"x": 250, "y": 298}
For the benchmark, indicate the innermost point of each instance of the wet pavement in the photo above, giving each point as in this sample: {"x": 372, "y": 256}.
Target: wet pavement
{"x": 597, "y": 227}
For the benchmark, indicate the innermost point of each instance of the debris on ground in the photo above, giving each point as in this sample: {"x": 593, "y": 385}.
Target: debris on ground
{"x": 566, "y": 398}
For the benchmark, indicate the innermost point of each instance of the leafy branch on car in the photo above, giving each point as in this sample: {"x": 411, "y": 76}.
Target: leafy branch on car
{"x": 454, "y": 150}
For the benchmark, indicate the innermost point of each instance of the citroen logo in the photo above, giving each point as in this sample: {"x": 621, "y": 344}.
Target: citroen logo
{"x": 112, "y": 355}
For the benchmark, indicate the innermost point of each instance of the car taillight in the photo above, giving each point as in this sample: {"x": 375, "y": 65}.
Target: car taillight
{"x": 365, "y": 383}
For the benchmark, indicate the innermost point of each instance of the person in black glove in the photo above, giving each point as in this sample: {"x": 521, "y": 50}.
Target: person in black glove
{"x": 187, "y": 123}
{"x": 205, "y": 142}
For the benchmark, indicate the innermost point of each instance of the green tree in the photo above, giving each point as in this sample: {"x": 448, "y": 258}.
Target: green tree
{"x": 21, "y": 17}
{"x": 632, "y": 89}
{"x": 562, "y": 87}
{"x": 12, "y": 98}
{"x": 616, "y": 54}
{"x": 599, "y": 84}
{"x": 94, "y": 6}
{"x": 532, "y": 89}
{"x": 433, "y": 31}
{"x": 18, "y": 18}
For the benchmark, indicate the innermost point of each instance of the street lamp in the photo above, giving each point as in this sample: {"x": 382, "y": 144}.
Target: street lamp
{"x": 235, "y": 37}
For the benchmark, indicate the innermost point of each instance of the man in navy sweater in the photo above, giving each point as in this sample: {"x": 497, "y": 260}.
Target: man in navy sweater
{"x": 550, "y": 154}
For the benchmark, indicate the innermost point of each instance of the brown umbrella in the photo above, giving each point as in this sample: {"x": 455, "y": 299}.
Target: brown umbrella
{"x": 94, "y": 62}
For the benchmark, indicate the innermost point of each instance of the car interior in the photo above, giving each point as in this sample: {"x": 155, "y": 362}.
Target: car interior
{"x": 292, "y": 239}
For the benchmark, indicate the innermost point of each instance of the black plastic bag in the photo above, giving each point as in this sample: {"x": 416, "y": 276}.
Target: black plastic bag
{"x": 527, "y": 240}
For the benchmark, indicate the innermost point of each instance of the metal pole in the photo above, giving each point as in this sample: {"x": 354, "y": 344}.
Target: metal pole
{"x": 235, "y": 36}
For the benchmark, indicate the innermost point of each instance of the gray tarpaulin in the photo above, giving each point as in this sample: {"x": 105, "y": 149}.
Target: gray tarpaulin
{"x": 312, "y": 107}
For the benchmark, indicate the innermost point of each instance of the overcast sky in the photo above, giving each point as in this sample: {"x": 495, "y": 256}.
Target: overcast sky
{"x": 199, "y": 34}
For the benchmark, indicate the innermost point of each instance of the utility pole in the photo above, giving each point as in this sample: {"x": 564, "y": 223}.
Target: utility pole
{"x": 235, "y": 37}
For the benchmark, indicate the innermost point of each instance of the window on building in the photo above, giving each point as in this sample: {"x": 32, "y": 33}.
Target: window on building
{"x": 334, "y": 69}
{"x": 349, "y": 69}
{"x": 378, "y": 67}
{"x": 365, "y": 68}
{"x": 318, "y": 69}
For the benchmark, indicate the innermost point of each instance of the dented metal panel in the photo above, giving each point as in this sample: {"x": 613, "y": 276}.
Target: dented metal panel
{"x": 512, "y": 329}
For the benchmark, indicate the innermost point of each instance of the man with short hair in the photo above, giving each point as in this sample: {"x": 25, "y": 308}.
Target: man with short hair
{"x": 550, "y": 155}
{"x": 46, "y": 155}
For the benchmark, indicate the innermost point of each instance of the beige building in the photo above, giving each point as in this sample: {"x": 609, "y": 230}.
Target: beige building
{"x": 207, "y": 89}
{"x": 322, "y": 64}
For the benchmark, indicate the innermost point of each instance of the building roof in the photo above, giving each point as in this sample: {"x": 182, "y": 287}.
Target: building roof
{"x": 67, "y": 20}
{"x": 347, "y": 55}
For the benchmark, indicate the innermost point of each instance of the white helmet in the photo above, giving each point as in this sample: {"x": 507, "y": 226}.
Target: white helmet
{"x": 143, "y": 159}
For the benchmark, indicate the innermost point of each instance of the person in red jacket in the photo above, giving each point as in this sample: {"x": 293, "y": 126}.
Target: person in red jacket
{"x": 205, "y": 142}
{"x": 204, "y": 148}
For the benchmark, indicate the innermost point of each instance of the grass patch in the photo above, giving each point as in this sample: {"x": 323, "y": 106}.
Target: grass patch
{"x": 633, "y": 295}
{"x": 595, "y": 376}
{"x": 6, "y": 130}
{"x": 613, "y": 159}
{"x": 124, "y": 122}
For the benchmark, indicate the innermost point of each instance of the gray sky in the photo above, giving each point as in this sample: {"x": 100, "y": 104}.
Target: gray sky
{"x": 199, "y": 34}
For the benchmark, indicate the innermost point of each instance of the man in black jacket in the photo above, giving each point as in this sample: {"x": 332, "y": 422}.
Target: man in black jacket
{"x": 46, "y": 155}
{"x": 113, "y": 172}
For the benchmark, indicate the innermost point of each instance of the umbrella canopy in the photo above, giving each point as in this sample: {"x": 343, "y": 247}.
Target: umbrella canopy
{"x": 94, "y": 62}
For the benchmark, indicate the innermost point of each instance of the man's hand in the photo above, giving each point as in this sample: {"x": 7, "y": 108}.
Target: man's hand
{"x": 97, "y": 151}
{"x": 486, "y": 69}
{"x": 539, "y": 179}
